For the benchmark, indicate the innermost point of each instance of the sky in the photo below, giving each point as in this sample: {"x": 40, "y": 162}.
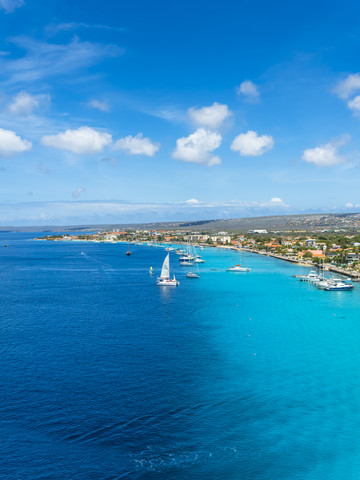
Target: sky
{"x": 126, "y": 112}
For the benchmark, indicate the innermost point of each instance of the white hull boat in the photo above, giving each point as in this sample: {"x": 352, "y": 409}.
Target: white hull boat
{"x": 164, "y": 280}
{"x": 239, "y": 268}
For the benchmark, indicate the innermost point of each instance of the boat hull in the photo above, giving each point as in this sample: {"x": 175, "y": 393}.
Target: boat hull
{"x": 167, "y": 282}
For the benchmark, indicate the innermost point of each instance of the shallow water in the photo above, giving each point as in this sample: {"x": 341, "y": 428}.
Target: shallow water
{"x": 232, "y": 376}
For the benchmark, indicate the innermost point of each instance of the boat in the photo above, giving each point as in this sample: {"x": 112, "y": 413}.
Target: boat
{"x": 312, "y": 277}
{"x": 186, "y": 257}
{"x": 128, "y": 252}
{"x": 192, "y": 275}
{"x": 169, "y": 249}
{"x": 186, "y": 263}
{"x": 151, "y": 271}
{"x": 239, "y": 267}
{"x": 164, "y": 280}
{"x": 339, "y": 286}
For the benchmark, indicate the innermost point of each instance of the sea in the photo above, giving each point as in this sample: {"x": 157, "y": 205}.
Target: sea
{"x": 232, "y": 376}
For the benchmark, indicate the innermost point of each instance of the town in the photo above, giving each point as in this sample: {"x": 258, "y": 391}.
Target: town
{"x": 335, "y": 251}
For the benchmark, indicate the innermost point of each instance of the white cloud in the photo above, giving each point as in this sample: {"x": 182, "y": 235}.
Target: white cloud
{"x": 24, "y": 103}
{"x": 46, "y": 60}
{"x": 103, "y": 106}
{"x": 84, "y": 140}
{"x": 354, "y": 104}
{"x": 192, "y": 201}
{"x": 137, "y": 145}
{"x": 249, "y": 90}
{"x": 11, "y": 144}
{"x": 323, "y": 156}
{"x": 277, "y": 201}
{"x": 78, "y": 192}
{"x": 210, "y": 117}
{"x": 198, "y": 148}
{"x": 345, "y": 88}
{"x": 349, "y": 205}
{"x": 250, "y": 144}
{"x": 53, "y": 29}
{"x": 10, "y": 5}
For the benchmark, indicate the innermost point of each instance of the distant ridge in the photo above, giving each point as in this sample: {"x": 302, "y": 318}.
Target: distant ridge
{"x": 302, "y": 222}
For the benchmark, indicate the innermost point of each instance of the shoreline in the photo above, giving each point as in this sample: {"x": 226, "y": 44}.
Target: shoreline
{"x": 355, "y": 276}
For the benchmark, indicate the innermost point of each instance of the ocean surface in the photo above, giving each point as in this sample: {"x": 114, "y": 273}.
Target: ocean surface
{"x": 106, "y": 376}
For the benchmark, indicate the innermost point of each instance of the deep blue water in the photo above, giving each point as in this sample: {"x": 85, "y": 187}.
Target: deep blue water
{"x": 233, "y": 376}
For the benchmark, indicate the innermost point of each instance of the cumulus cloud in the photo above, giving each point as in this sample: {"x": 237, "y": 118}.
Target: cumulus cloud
{"x": 277, "y": 201}
{"x": 103, "y": 106}
{"x": 198, "y": 147}
{"x": 24, "y": 103}
{"x": 250, "y": 144}
{"x": 11, "y": 144}
{"x": 192, "y": 201}
{"x": 324, "y": 156}
{"x": 84, "y": 140}
{"x": 210, "y": 117}
{"x": 345, "y": 88}
{"x": 249, "y": 90}
{"x": 78, "y": 192}
{"x": 354, "y": 104}
{"x": 137, "y": 145}
{"x": 10, "y": 5}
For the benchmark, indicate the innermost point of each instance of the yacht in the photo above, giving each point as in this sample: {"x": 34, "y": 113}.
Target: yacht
{"x": 339, "y": 286}
{"x": 238, "y": 268}
{"x": 164, "y": 280}
{"x": 192, "y": 275}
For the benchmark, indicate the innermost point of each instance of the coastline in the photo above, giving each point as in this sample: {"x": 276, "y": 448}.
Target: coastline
{"x": 355, "y": 276}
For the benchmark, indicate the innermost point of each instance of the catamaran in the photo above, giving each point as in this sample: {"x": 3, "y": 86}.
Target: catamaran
{"x": 239, "y": 267}
{"x": 164, "y": 279}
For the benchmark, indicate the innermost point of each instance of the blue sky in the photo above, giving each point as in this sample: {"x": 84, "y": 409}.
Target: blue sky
{"x": 142, "y": 111}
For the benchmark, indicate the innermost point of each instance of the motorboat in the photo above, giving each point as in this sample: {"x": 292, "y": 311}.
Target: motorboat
{"x": 339, "y": 286}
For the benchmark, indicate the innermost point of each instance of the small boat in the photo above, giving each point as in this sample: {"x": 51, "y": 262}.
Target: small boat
{"x": 128, "y": 252}
{"x": 151, "y": 271}
{"x": 164, "y": 280}
{"x": 169, "y": 249}
{"x": 192, "y": 275}
{"x": 339, "y": 286}
{"x": 312, "y": 277}
{"x": 186, "y": 257}
{"x": 186, "y": 263}
{"x": 238, "y": 268}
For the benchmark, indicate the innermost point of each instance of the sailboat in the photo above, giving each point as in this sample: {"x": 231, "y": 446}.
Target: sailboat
{"x": 164, "y": 279}
{"x": 239, "y": 267}
{"x": 193, "y": 274}
{"x": 128, "y": 250}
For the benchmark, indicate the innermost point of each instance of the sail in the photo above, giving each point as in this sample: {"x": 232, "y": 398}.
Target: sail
{"x": 165, "y": 271}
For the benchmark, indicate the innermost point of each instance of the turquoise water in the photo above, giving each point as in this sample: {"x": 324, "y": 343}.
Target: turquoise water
{"x": 232, "y": 376}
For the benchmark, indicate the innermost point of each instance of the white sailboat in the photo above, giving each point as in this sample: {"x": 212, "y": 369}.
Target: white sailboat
{"x": 164, "y": 279}
{"x": 239, "y": 267}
